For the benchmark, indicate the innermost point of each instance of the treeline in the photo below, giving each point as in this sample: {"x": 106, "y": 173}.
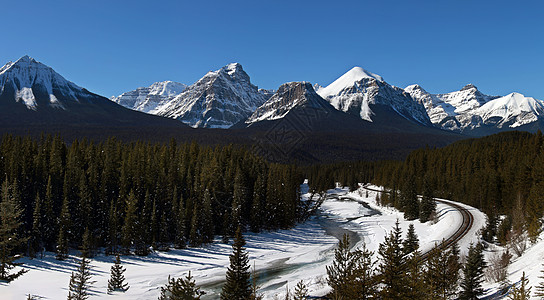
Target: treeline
{"x": 130, "y": 197}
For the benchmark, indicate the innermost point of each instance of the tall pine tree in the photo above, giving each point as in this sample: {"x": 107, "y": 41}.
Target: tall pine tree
{"x": 392, "y": 270}
{"x": 471, "y": 285}
{"x": 117, "y": 279}
{"x": 10, "y": 214}
{"x": 80, "y": 281}
{"x": 238, "y": 284}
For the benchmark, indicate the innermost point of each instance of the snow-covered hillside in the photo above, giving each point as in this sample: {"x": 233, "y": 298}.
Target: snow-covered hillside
{"x": 146, "y": 99}
{"x": 358, "y": 90}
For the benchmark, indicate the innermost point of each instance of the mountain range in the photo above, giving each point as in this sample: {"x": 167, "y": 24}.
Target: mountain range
{"x": 226, "y": 97}
{"x": 358, "y": 116}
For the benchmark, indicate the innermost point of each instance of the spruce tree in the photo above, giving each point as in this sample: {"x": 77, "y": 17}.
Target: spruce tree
{"x": 471, "y": 285}
{"x": 87, "y": 248}
{"x": 181, "y": 289}
{"x": 523, "y": 292}
{"x": 301, "y": 291}
{"x": 10, "y": 214}
{"x": 130, "y": 225}
{"x": 342, "y": 274}
{"x": 540, "y": 287}
{"x": 80, "y": 281}
{"x": 441, "y": 274}
{"x": 180, "y": 241}
{"x": 117, "y": 279}
{"x": 37, "y": 242}
{"x": 415, "y": 286}
{"x": 411, "y": 243}
{"x": 392, "y": 270}
{"x": 238, "y": 285}
{"x": 207, "y": 226}
{"x": 255, "y": 295}
{"x": 409, "y": 202}
{"x": 427, "y": 206}
{"x": 64, "y": 231}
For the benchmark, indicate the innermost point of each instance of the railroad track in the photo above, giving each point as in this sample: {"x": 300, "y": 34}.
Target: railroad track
{"x": 468, "y": 220}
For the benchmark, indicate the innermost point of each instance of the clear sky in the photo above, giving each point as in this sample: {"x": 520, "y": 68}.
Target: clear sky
{"x": 112, "y": 46}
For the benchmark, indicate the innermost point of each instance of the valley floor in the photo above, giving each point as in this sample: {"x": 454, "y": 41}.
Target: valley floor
{"x": 281, "y": 258}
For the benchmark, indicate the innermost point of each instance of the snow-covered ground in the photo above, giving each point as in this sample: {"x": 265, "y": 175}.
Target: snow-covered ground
{"x": 531, "y": 262}
{"x": 281, "y": 257}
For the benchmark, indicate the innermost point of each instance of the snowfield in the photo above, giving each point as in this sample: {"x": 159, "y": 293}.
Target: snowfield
{"x": 281, "y": 258}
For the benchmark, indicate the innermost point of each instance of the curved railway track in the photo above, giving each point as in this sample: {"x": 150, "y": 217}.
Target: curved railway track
{"x": 468, "y": 220}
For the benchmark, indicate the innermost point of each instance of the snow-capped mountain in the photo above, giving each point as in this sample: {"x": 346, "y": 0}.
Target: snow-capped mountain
{"x": 289, "y": 96}
{"x": 33, "y": 94}
{"x": 35, "y": 85}
{"x": 513, "y": 110}
{"x": 146, "y": 99}
{"x": 220, "y": 99}
{"x": 468, "y": 109}
{"x": 358, "y": 91}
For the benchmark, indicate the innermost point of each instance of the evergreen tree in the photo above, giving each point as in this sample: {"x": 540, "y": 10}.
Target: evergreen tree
{"x": 195, "y": 235}
{"x": 301, "y": 291}
{"x": 415, "y": 286}
{"x": 540, "y": 287}
{"x": 238, "y": 285}
{"x": 255, "y": 295}
{"x": 49, "y": 227}
{"x": 80, "y": 281}
{"x": 207, "y": 227}
{"x": 411, "y": 243}
{"x": 392, "y": 270}
{"x": 117, "y": 279}
{"x": 441, "y": 274}
{"x": 427, "y": 206}
{"x": 471, "y": 285}
{"x": 181, "y": 241}
{"x": 408, "y": 200}
{"x": 342, "y": 274}
{"x": 37, "y": 242}
{"x": 64, "y": 231}
{"x": 181, "y": 289}
{"x": 87, "y": 249}
{"x": 523, "y": 292}
{"x": 130, "y": 225}
{"x": 10, "y": 214}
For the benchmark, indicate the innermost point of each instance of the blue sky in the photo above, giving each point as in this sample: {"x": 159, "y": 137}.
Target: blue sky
{"x": 114, "y": 46}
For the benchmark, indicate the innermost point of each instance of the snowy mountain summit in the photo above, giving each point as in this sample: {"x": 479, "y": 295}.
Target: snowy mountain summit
{"x": 289, "y": 96}
{"x": 358, "y": 91}
{"x": 147, "y": 99}
{"x": 469, "y": 109}
{"x": 220, "y": 99}
{"x": 36, "y": 85}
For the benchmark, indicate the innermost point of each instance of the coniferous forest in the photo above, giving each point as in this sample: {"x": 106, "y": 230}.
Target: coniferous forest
{"x": 502, "y": 174}
{"x": 130, "y": 198}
